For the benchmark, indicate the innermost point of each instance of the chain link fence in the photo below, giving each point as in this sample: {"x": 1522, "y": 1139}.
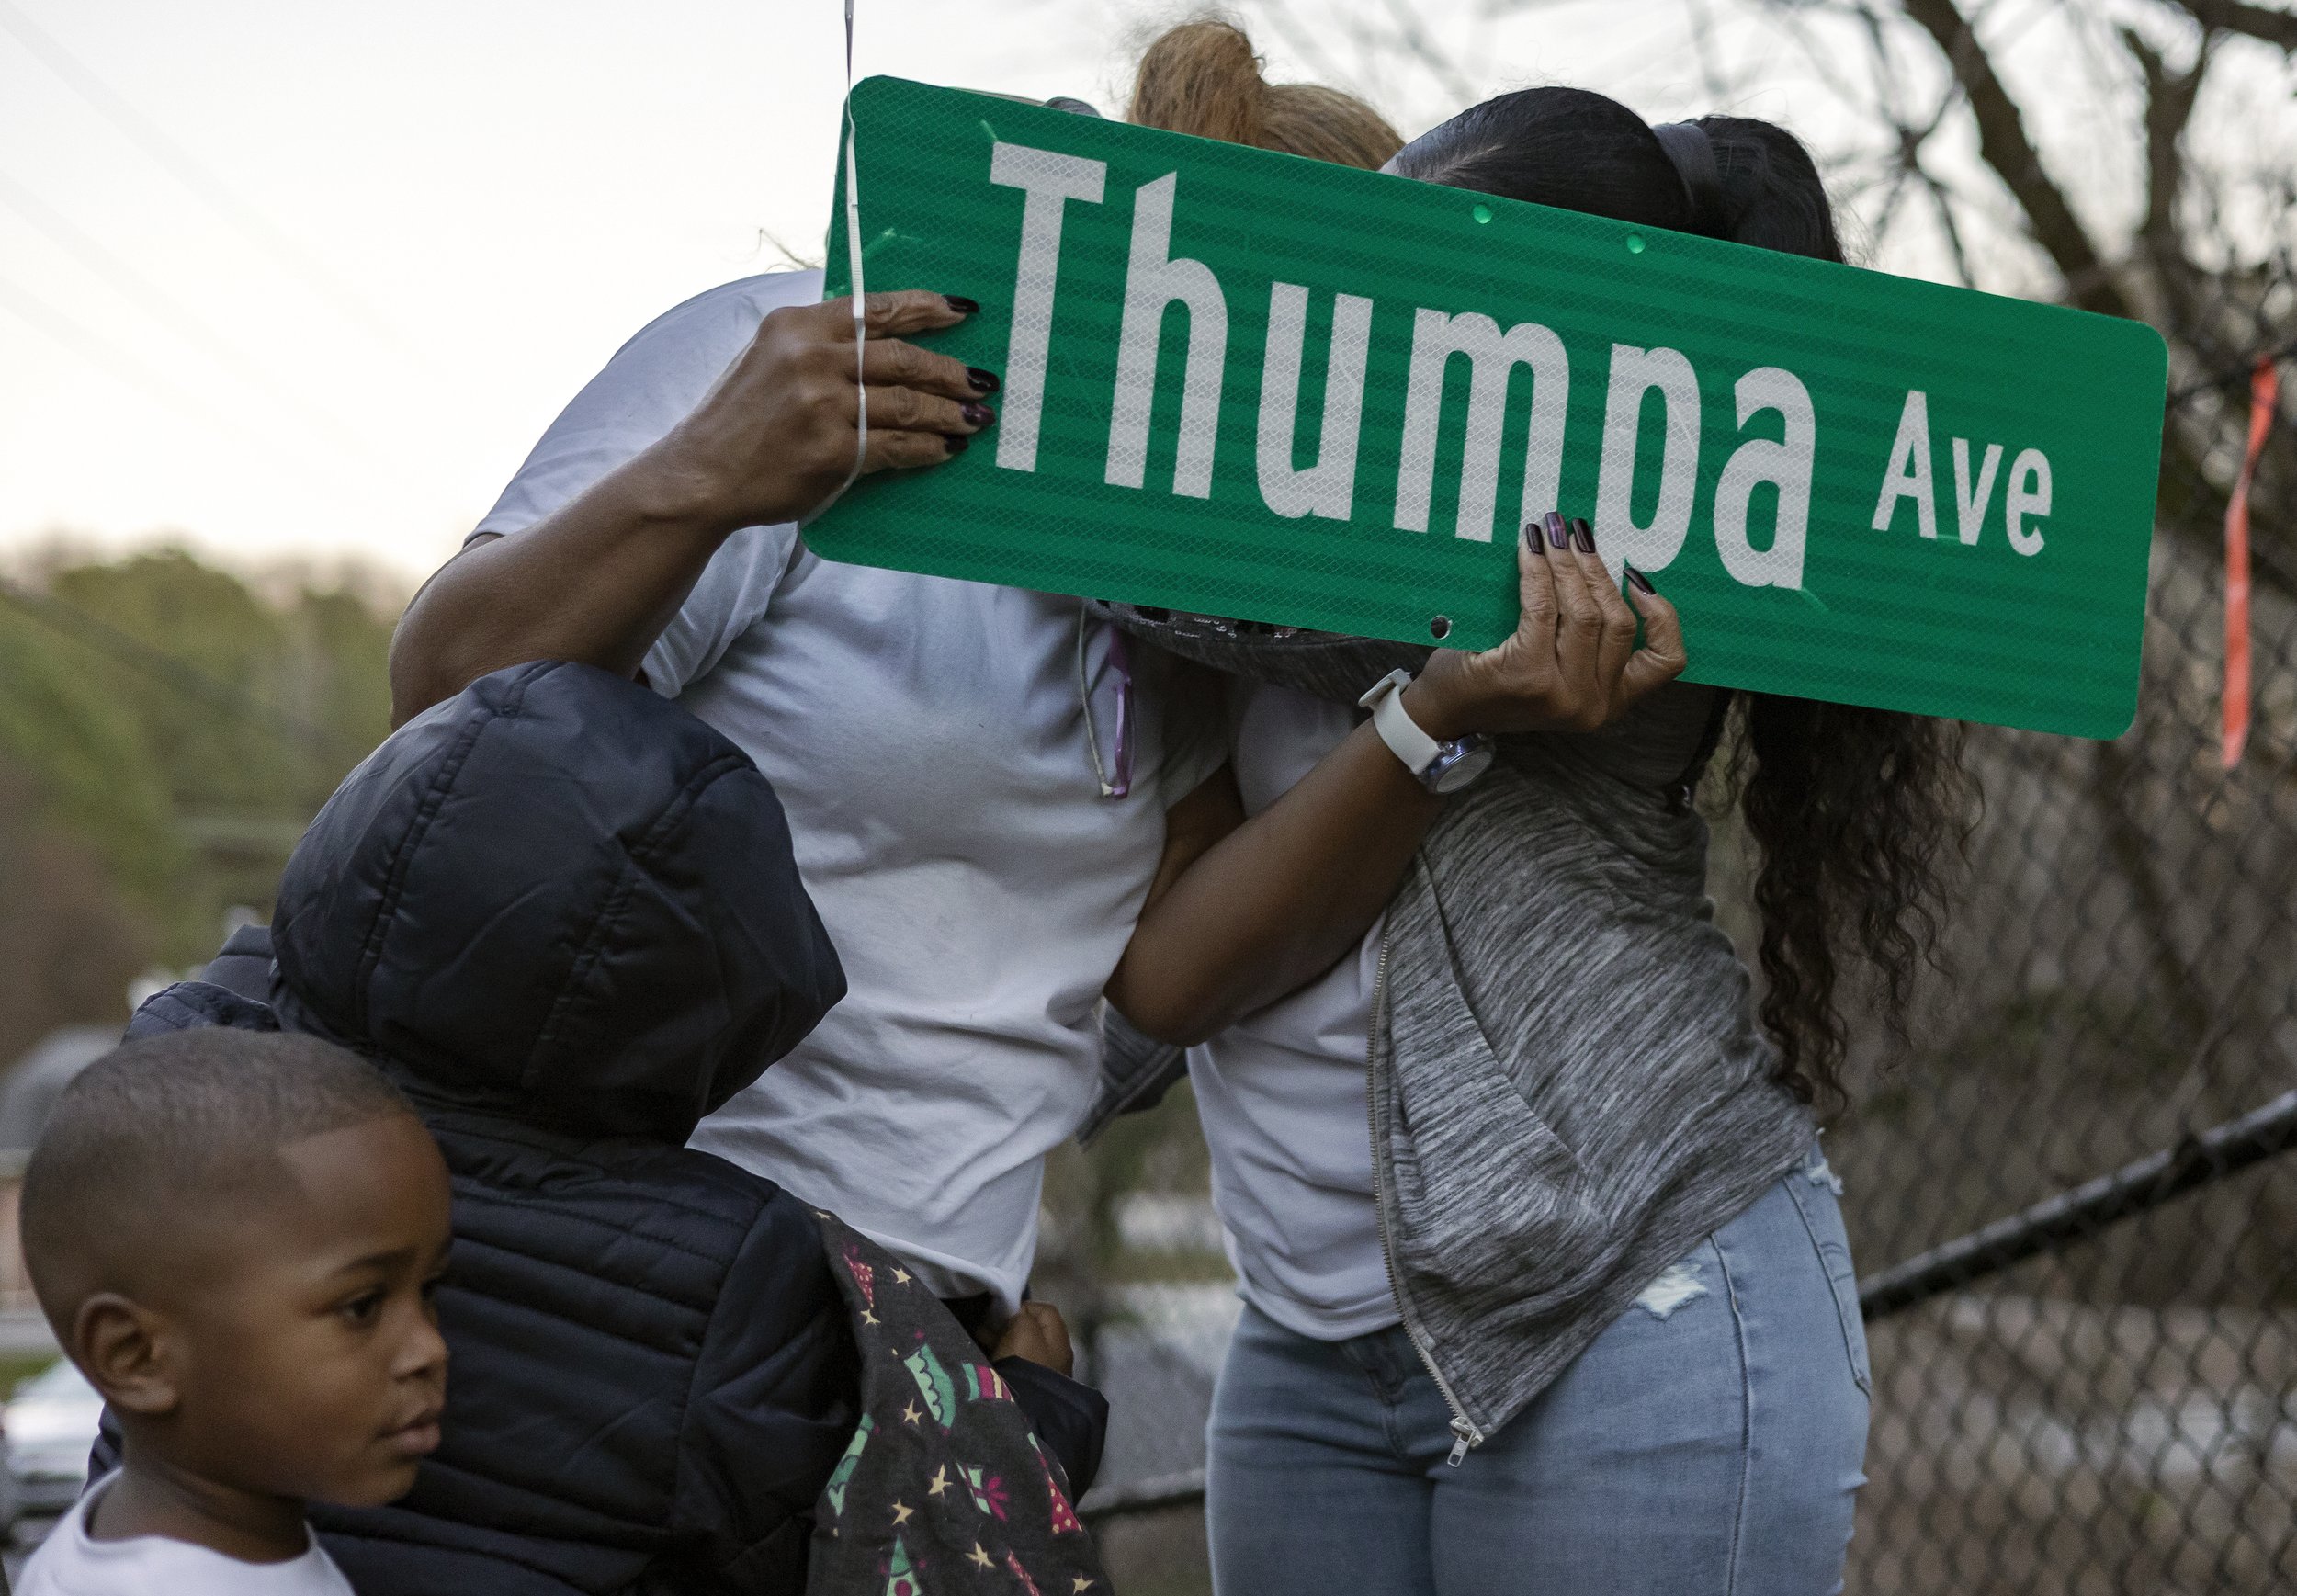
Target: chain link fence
{"x": 2084, "y": 1383}
{"x": 2076, "y": 1233}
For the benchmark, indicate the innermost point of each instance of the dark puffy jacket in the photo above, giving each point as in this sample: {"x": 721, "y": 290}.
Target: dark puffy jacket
{"x": 562, "y": 914}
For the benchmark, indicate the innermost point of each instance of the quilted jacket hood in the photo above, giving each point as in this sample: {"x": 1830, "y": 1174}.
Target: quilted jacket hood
{"x": 560, "y": 893}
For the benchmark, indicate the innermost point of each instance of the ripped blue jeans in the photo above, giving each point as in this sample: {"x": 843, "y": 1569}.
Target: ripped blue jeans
{"x": 1708, "y": 1444}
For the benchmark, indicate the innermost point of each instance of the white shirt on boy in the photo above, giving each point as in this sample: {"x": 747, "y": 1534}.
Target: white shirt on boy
{"x": 70, "y": 1562}
{"x": 1281, "y": 1093}
{"x": 928, "y": 740}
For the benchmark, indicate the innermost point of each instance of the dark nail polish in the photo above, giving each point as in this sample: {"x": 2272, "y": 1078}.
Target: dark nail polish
{"x": 1582, "y": 535}
{"x": 1533, "y": 540}
{"x": 955, "y": 442}
{"x": 963, "y": 306}
{"x": 1557, "y": 533}
{"x": 982, "y": 382}
{"x": 977, "y": 414}
{"x": 1640, "y": 582}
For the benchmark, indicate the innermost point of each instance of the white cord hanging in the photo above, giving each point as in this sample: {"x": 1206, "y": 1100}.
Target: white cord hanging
{"x": 854, "y": 275}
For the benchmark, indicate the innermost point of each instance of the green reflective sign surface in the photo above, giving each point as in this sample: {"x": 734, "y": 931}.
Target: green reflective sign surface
{"x": 1249, "y": 385}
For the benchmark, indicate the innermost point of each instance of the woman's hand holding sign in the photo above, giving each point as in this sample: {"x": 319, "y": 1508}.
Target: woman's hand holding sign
{"x": 774, "y": 441}
{"x": 1571, "y": 664}
{"x": 771, "y": 441}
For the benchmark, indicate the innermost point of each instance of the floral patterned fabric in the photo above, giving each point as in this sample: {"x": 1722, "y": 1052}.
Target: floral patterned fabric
{"x": 945, "y": 1489}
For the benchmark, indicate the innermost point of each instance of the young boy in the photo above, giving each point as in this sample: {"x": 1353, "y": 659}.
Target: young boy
{"x": 235, "y": 1236}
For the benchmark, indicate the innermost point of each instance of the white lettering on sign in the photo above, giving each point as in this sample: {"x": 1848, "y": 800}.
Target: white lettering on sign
{"x": 1050, "y": 181}
{"x": 2031, "y": 467}
{"x": 1908, "y": 477}
{"x": 1327, "y": 489}
{"x": 1156, "y": 280}
{"x": 1970, "y": 503}
{"x": 1153, "y": 281}
{"x": 1492, "y": 358}
{"x": 1785, "y": 464}
{"x": 1633, "y": 373}
{"x": 1908, "y": 473}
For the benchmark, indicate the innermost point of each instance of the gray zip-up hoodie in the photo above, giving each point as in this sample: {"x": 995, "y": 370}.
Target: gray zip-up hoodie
{"x": 1568, "y": 1086}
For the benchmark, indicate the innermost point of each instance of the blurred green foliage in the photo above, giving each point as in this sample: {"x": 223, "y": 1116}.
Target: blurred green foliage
{"x": 177, "y": 726}
{"x": 84, "y": 754}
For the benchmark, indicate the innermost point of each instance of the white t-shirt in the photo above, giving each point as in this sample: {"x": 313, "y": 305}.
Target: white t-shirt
{"x": 1282, "y": 1092}
{"x": 928, "y": 740}
{"x": 69, "y": 1563}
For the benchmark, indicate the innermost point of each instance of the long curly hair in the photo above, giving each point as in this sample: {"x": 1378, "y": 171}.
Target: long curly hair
{"x": 1853, "y": 812}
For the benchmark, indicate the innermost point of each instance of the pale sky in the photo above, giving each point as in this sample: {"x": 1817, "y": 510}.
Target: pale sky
{"x": 341, "y": 265}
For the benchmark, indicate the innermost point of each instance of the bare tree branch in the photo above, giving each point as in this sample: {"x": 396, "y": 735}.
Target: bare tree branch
{"x": 2276, "y": 28}
{"x": 1304, "y": 39}
{"x": 1947, "y": 224}
{"x": 1885, "y": 213}
{"x": 1414, "y": 39}
{"x": 1816, "y": 56}
{"x": 2169, "y": 99}
{"x": 1703, "y": 46}
{"x": 2004, "y": 144}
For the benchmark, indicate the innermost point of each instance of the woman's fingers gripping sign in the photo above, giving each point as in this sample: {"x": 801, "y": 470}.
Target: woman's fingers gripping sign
{"x": 776, "y": 437}
{"x": 1573, "y": 662}
{"x": 923, "y": 406}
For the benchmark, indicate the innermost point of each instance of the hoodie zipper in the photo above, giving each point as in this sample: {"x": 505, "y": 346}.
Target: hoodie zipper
{"x": 1464, "y": 1436}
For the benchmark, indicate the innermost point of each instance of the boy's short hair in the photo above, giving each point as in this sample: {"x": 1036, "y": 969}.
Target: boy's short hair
{"x": 157, "y": 1129}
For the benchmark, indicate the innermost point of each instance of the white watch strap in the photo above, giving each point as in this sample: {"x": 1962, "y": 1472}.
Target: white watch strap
{"x": 1394, "y": 722}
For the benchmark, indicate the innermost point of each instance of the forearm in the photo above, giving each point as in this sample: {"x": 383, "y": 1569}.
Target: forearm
{"x": 596, "y": 582}
{"x": 1279, "y": 900}
{"x": 774, "y": 437}
{"x": 1244, "y": 912}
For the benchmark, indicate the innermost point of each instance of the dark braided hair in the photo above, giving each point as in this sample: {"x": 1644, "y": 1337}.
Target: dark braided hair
{"x": 1851, "y": 810}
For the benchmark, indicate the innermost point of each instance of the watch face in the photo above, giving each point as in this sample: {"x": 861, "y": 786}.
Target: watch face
{"x": 1457, "y": 765}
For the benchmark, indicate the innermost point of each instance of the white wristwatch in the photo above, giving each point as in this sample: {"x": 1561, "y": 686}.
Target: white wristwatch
{"x": 1441, "y": 767}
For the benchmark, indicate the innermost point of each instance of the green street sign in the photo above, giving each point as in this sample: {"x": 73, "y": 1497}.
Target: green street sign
{"x": 1249, "y": 385}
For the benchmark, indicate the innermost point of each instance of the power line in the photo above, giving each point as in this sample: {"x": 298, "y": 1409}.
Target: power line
{"x": 99, "y": 351}
{"x": 165, "y": 308}
{"x": 245, "y": 218}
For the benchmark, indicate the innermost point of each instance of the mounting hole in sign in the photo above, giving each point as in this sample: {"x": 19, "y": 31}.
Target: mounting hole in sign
{"x": 1634, "y": 243}
{"x": 1481, "y": 213}
{"x": 1439, "y": 628}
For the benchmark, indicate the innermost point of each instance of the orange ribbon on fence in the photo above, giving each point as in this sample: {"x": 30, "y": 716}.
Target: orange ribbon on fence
{"x": 2264, "y": 387}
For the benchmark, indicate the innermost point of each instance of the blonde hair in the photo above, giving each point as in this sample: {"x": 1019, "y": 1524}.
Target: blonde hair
{"x": 1202, "y": 77}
